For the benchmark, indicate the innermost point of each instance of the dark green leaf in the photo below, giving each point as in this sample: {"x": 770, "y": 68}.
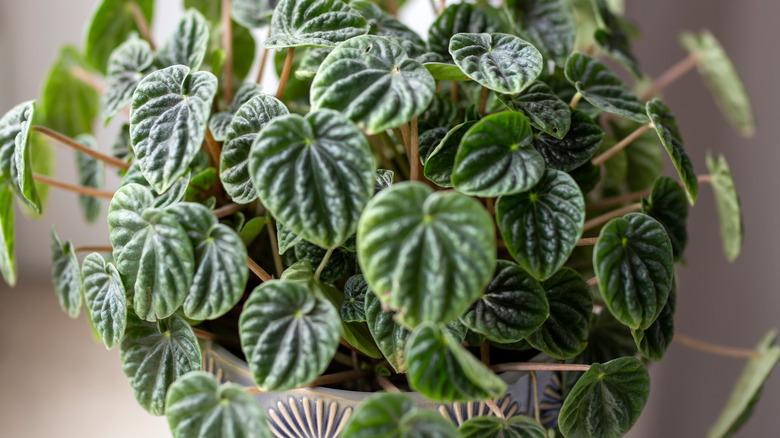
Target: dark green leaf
{"x": 542, "y": 226}
{"x": 287, "y": 334}
{"x": 383, "y": 24}
{"x": 587, "y": 177}
{"x": 727, "y": 203}
{"x": 219, "y": 122}
{"x": 486, "y": 426}
{"x": 188, "y": 43}
{"x": 667, "y": 204}
{"x": 441, "y": 161}
{"x": 666, "y": 128}
{"x": 128, "y": 64}
{"x": 7, "y": 252}
{"x": 440, "y": 369}
{"x": 654, "y": 341}
{"x": 353, "y": 309}
{"x": 314, "y": 23}
{"x": 614, "y": 39}
{"x": 442, "y": 112}
{"x": 412, "y": 244}
{"x": 252, "y": 13}
{"x": 635, "y": 268}
{"x": 154, "y": 355}
{"x": 549, "y": 25}
{"x": 608, "y": 339}
{"x": 66, "y": 274}
{"x": 428, "y": 141}
{"x": 543, "y": 109}
{"x": 90, "y": 173}
{"x": 16, "y": 153}
{"x": 512, "y": 307}
{"x": 390, "y": 336}
{"x": 341, "y": 263}
{"x": 315, "y": 174}
{"x": 379, "y": 416}
{"x": 112, "y": 23}
{"x": 446, "y": 72}
{"x": 607, "y": 400}
{"x": 576, "y": 148}
{"x": 463, "y": 18}
{"x": 69, "y": 105}
{"x": 106, "y": 298}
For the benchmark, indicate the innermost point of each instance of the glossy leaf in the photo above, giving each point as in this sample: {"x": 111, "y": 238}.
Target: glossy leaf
{"x": 601, "y": 88}
{"x": 188, "y": 44}
{"x": 728, "y": 205}
{"x": 654, "y": 341}
{"x": 542, "y": 107}
{"x": 500, "y": 62}
{"x": 7, "y": 244}
{"x": 390, "y": 336}
{"x": 542, "y": 226}
{"x": 635, "y": 268}
{"x": 488, "y": 426}
{"x": 667, "y": 130}
{"x": 549, "y": 25}
{"x": 16, "y": 154}
{"x": 69, "y": 105}
{"x": 440, "y": 369}
{"x": 90, "y": 174}
{"x": 154, "y": 355}
{"x": 446, "y": 72}
{"x": 112, "y": 23}
{"x": 293, "y": 155}
{"x": 127, "y": 65}
{"x": 512, "y": 307}
{"x": 372, "y": 81}
{"x": 576, "y": 148}
{"x": 168, "y": 119}
{"x": 412, "y": 244}
{"x": 428, "y": 141}
{"x": 66, "y": 274}
{"x": 496, "y": 157}
{"x": 379, "y": 416}
{"x": 287, "y": 334}
{"x": 462, "y": 18}
{"x": 668, "y": 205}
{"x": 219, "y": 122}
{"x": 314, "y": 23}
{"x": 353, "y": 309}
{"x": 607, "y": 400}
{"x": 564, "y": 334}
{"x": 441, "y": 161}
{"x": 252, "y": 13}
{"x": 198, "y": 406}
{"x": 384, "y": 24}
{"x": 106, "y": 298}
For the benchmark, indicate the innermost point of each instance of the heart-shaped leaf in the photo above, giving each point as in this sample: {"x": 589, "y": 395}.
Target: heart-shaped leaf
{"x": 428, "y": 141}
{"x": 441, "y": 161}
{"x": 486, "y": 426}
{"x": 668, "y": 205}
{"x": 249, "y": 119}
{"x": 549, "y": 25}
{"x": 440, "y": 369}
{"x": 635, "y": 268}
{"x": 16, "y": 153}
{"x": 128, "y": 64}
{"x": 69, "y": 104}
{"x": 314, "y": 173}
{"x": 90, "y": 174}
{"x": 66, "y": 274}
{"x": 542, "y": 107}
{"x": 391, "y": 415}
{"x": 314, "y": 23}
{"x": 106, "y": 298}
{"x": 408, "y": 233}
{"x": 607, "y": 400}
{"x": 497, "y": 157}
{"x": 654, "y": 341}
{"x": 168, "y": 119}
{"x": 287, "y": 334}
{"x": 541, "y": 227}
{"x": 446, "y": 72}
{"x": 727, "y": 203}
{"x": 564, "y": 334}
{"x": 512, "y": 307}
{"x": 372, "y": 81}
{"x": 601, "y": 88}
{"x": 383, "y": 24}
{"x": 154, "y": 355}
{"x": 112, "y": 23}
{"x": 197, "y": 405}
{"x": 666, "y": 128}
{"x": 390, "y": 336}
{"x": 722, "y": 79}
{"x": 152, "y": 249}
{"x": 353, "y": 309}
{"x": 498, "y": 61}
{"x": 463, "y": 18}
{"x": 219, "y": 122}
{"x": 576, "y": 148}
{"x": 7, "y": 253}
{"x": 188, "y": 43}
{"x": 252, "y": 13}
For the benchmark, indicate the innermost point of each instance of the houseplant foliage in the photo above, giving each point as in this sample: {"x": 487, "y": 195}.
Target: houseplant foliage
{"x": 493, "y": 189}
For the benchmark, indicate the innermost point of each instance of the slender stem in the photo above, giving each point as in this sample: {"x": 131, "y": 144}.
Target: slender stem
{"x": 604, "y": 218}
{"x": 414, "y": 157}
{"x": 483, "y": 96}
{"x": 593, "y": 281}
{"x": 143, "y": 26}
{"x": 392, "y": 8}
{"x": 704, "y": 179}
{"x": 400, "y": 134}
{"x": 442, "y": 5}
{"x": 484, "y": 353}
{"x": 533, "y": 366}
{"x": 618, "y": 200}
{"x": 271, "y": 227}
{"x": 202, "y": 334}
{"x": 407, "y": 137}
{"x": 324, "y": 262}
{"x": 622, "y": 144}
{"x": 82, "y": 190}
{"x": 402, "y": 162}
{"x": 263, "y": 60}
{"x": 490, "y": 205}
{"x": 67, "y": 141}
{"x": 328, "y": 379}
{"x": 257, "y": 270}
{"x": 226, "y": 210}
{"x": 575, "y": 99}
{"x": 495, "y": 409}
{"x": 107, "y": 248}
{"x": 535, "y": 384}
{"x": 285, "y": 72}
{"x": 719, "y": 350}
{"x": 213, "y": 147}
{"x": 89, "y": 79}
{"x": 670, "y": 76}
{"x": 454, "y": 91}
{"x": 227, "y": 44}
{"x": 386, "y": 384}
{"x": 587, "y": 241}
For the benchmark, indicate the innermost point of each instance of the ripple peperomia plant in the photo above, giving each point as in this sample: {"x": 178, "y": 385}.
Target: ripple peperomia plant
{"x": 488, "y": 200}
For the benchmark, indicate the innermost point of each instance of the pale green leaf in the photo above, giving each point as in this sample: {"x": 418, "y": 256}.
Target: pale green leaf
{"x": 106, "y": 298}
{"x": 318, "y": 23}
{"x": 66, "y": 274}
{"x": 728, "y": 205}
{"x": 110, "y": 26}
{"x": 68, "y": 103}
{"x": 90, "y": 174}
{"x": 7, "y": 251}
{"x": 252, "y": 13}
{"x": 446, "y": 72}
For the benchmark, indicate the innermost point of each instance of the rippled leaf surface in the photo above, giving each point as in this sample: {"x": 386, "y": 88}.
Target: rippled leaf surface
{"x": 542, "y": 107}
{"x": 576, "y": 148}
{"x": 668, "y": 205}
{"x": 549, "y": 25}
{"x": 341, "y": 263}
{"x": 128, "y": 64}
{"x": 66, "y": 274}
{"x": 219, "y": 122}
{"x": 16, "y": 153}
{"x": 390, "y": 336}
{"x": 486, "y": 426}
{"x": 654, "y": 341}
{"x": 106, "y": 298}
{"x": 728, "y": 205}
{"x": 112, "y": 23}
{"x": 354, "y": 306}
{"x": 441, "y": 161}
{"x": 667, "y": 130}
{"x": 462, "y": 18}
{"x": 318, "y": 23}
{"x": 188, "y": 44}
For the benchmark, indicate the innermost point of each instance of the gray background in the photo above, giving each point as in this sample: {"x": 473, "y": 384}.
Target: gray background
{"x": 54, "y": 381}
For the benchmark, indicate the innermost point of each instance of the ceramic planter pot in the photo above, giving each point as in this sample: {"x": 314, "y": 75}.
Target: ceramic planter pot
{"x": 322, "y": 412}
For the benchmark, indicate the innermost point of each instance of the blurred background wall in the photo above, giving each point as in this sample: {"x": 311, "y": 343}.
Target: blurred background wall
{"x": 54, "y": 381}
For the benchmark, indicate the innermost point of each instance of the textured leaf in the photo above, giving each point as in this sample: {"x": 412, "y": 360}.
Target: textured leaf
{"x": 373, "y": 82}
{"x": 198, "y": 406}
{"x": 512, "y": 307}
{"x": 614, "y": 38}
{"x": 549, "y": 25}
{"x": 355, "y": 334}
{"x": 445, "y": 72}
{"x": 7, "y": 252}
{"x": 635, "y": 268}
{"x": 441, "y": 161}
{"x": 654, "y": 341}
{"x": 384, "y": 179}
{"x": 287, "y": 334}
{"x": 112, "y": 23}
{"x": 601, "y": 88}
{"x": 285, "y": 238}
{"x": 171, "y": 196}
{"x": 542, "y": 226}
{"x": 496, "y": 157}
{"x": 106, "y": 298}
{"x": 383, "y": 24}
{"x": 154, "y": 355}
{"x": 69, "y": 105}
{"x": 318, "y": 23}
{"x": 666, "y": 128}
{"x": 16, "y": 154}
{"x": 188, "y": 44}
{"x": 127, "y": 65}
{"x": 249, "y": 119}
{"x": 668, "y": 205}
{"x": 219, "y": 122}
{"x": 412, "y": 244}
{"x": 576, "y": 148}
{"x": 390, "y": 336}
{"x": 722, "y": 79}
{"x": 90, "y": 173}
{"x": 66, "y": 274}
{"x": 342, "y": 261}
{"x": 564, "y": 334}
{"x": 152, "y": 248}
{"x": 607, "y": 400}
{"x": 252, "y": 13}
{"x": 542, "y": 107}
{"x": 462, "y": 18}
{"x": 727, "y": 203}
{"x": 428, "y": 141}
{"x": 353, "y": 309}
{"x": 379, "y": 416}
{"x": 440, "y": 369}
{"x": 314, "y": 173}
{"x": 500, "y": 62}
{"x": 487, "y": 426}
{"x": 168, "y": 119}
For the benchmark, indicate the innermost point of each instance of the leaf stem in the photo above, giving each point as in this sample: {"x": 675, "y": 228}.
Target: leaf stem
{"x": 702, "y": 179}
{"x": 323, "y": 262}
{"x": 495, "y": 409}
{"x": 715, "y": 349}
{"x": 406, "y": 137}
{"x": 587, "y": 241}
{"x": 622, "y": 144}
{"x": 376, "y": 145}
{"x": 271, "y": 227}
{"x": 82, "y": 190}
{"x": 671, "y": 75}
{"x": 285, "y": 72}
{"x": 442, "y": 5}
{"x": 263, "y": 60}
{"x": 89, "y": 79}
{"x": 484, "y": 353}
{"x": 213, "y": 147}
{"x": 227, "y": 44}
{"x": 226, "y": 210}
{"x": 604, "y": 218}
{"x": 534, "y": 366}
{"x": 392, "y": 8}
{"x": 386, "y": 384}
{"x": 107, "y": 248}
{"x": 618, "y": 200}
{"x": 143, "y": 26}
{"x": 257, "y": 270}
{"x": 327, "y": 379}
{"x": 414, "y": 157}
{"x": 400, "y": 163}
{"x": 202, "y": 334}
{"x": 483, "y": 96}
{"x": 454, "y": 91}
{"x": 535, "y": 384}
{"x": 593, "y": 281}
{"x": 67, "y": 141}
{"x": 575, "y": 99}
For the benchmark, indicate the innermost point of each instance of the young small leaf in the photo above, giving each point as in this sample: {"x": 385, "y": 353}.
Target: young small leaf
{"x": 90, "y": 172}
{"x": 668, "y": 205}
{"x": 219, "y": 122}
{"x": 127, "y": 66}
{"x": 666, "y": 128}
{"x": 576, "y": 148}
{"x": 187, "y": 46}
{"x": 441, "y": 161}
{"x": 549, "y": 25}
{"x": 314, "y": 23}
{"x": 106, "y": 298}
{"x": 112, "y": 23}
{"x": 341, "y": 263}
{"x": 7, "y": 253}
{"x": 353, "y": 309}
{"x": 488, "y": 426}
{"x": 286, "y": 239}
{"x": 390, "y": 336}
{"x": 66, "y": 274}
{"x": 727, "y": 203}
{"x": 542, "y": 107}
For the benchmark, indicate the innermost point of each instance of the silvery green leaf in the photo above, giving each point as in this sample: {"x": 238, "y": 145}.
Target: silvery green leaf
{"x": 196, "y": 219}
{"x": 384, "y": 179}
{"x": 128, "y": 64}
{"x": 542, "y": 107}
{"x": 16, "y": 153}
{"x": 390, "y": 336}
{"x": 550, "y": 25}
{"x": 252, "y": 13}
{"x": 188, "y": 43}
{"x": 110, "y": 26}
{"x": 171, "y": 196}
{"x": 7, "y": 253}
{"x": 728, "y": 205}
{"x": 219, "y": 122}
{"x": 318, "y": 23}
{"x": 66, "y": 274}
{"x": 106, "y": 298}
{"x": 354, "y": 306}
{"x": 576, "y": 148}
{"x": 428, "y": 141}
{"x": 90, "y": 172}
